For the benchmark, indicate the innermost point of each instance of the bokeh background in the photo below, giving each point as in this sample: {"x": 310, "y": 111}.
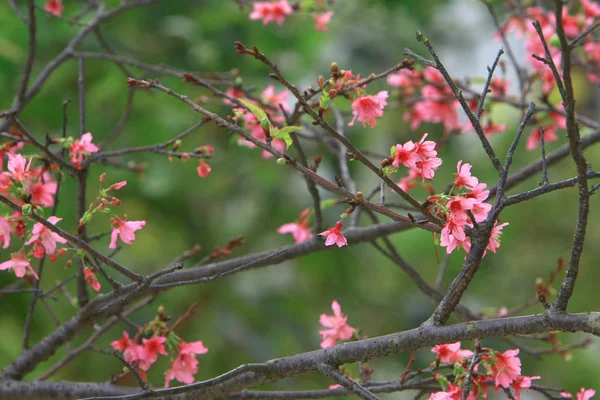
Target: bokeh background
{"x": 273, "y": 312}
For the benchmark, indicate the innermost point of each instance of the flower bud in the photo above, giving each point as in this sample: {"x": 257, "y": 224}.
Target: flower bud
{"x": 27, "y": 209}
{"x": 335, "y": 69}
{"x": 281, "y": 161}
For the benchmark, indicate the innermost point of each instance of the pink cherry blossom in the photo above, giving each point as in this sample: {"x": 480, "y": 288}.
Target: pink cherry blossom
{"x": 299, "y": 230}
{"x": 203, "y": 169}
{"x": 505, "y": 368}
{"x": 46, "y": 236}
{"x": 124, "y": 229}
{"x": 405, "y": 78}
{"x": 338, "y": 329}
{"x": 405, "y": 155}
{"x": 427, "y": 167}
{"x": 54, "y": 7}
{"x": 458, "y": 207}
{"x": 585, "y": 394}
{"x": 440, "y": 396}
{"x": 425, "y": 148}
{"x": 150, "y": 350}
{"x": 234, "y": 93}
{"x": 4, "y": 232}
{"x": 450, "y": 353}
{"x": 90, "y": 279}
{"x": 182, "y": 369}
{"x": 42, "y": 189}
{"x": 494, "y": 242}
{"x": 192, "y": 348}
{"x": 19, "y": 264}
{"x": 117, "y": 186}
{"x": 321, "y": 20}
{"x": 478, "y": 192}
{"x": 480, "y": 212}
{"x": 521, "y": 383}
{"x": 18, "y": 167}
{"x": 335, "y": 236}
{"x": 122, "y": 344}
{"x": 535, "y": 137}
{"x": 464, "y": 177}
{"x": 269, "y": 12}
{"x": 82, "y": 147}
{"x": 367, "y": 108}
{"x": 591, "y": 8}
{"x": 275, "y": 99}
{"x": 453, "y": 236}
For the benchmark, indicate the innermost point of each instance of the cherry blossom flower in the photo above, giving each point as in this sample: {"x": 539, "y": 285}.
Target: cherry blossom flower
{"x": 405, "y": 78}
{"x": 535, "y": 137}
{"x": 203, "y": 169}
{"x": 478, "y": 192}
{"x": 129, "y": 348}
{"x": 427, "y": 167}
{"x": 149, "y": 351}
{"x": 494, "y": 242}
{"x": 367, "y": 108}
{"x": 440, "y": 396}
{"x": 269, "y": 12}
{"x": 585, "y": 394}
{"x": 234, "y": 93}
{"x": 124, "y": 229}
{"x": 450, "y": 353}
{"x": 591, "y": 8}
{"x": 335, "y": 236}
{"x": 453, "y": 236}
{"x": 82, "y": 147}
{"x": 18, "y": 167}
{"x": 480, "y": 212}
{"x": 464, "y": 177}
{"x": 405, "y": 155}
{"x": 458, "y": 207}
{"x": 505, "y": 367}
{"x": 44, "y": 235}
{"x": 521, "y": 383}
{"x": 54, "y": 7}
{"x": 4, "y": 232}
{"x": 321, "y": 20}
{"x": 185, "y": 365}
{"x": 275, "y": 99}
{"x": 42, "y": 189}
{"x": 338, "y": 329}
{"x": 299, "y": 230}
{"x": 90, "y": 279}
{"x": 19, "y": 264}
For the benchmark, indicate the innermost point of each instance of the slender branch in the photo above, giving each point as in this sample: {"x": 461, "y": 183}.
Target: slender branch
{"x": 349, "y": 384}
{"x": 486, "y": 86}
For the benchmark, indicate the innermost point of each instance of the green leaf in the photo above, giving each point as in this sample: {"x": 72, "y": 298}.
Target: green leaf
{"x": 324, "y": 100}
{"x": 258, "y": 112}
{"x": 284, "y": 133}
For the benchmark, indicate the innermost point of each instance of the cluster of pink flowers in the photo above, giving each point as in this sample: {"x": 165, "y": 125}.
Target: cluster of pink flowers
{"x": 299, "y": 229}
{"x": 143, "y": 355}
{"x": 420, "y": 158}
{"x": 271, "y": 11}
{"x": 21, "y": 181}
{"x": 274, "y": 102}
{"x": 337, "y": 329}
{"x": 583, "y": 394}
{"x": 277, "y": 11}
{"x": 503, "y": 371}
{"x": 455, "y": 209}
{"x": 82, "y": 147}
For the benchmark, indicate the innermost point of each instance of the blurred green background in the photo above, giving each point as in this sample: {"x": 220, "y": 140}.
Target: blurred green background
{"x": 273, "y": 312}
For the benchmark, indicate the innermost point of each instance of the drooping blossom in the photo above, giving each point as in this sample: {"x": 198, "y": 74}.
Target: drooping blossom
{"x": 453, "y": 236}
{"x": 19, "y": 264}
{"x": 322, "y": 20}
{"x": 271, "y": 11}
{"x": 464, "y": 177}
{"x": 4, "y": 232}
{"x": 494, "y": 242}
{"x": 504, "y": 367}
{"x": 337, "y": 327}
{"x": 82, "y": 147}
{"x": 149, "y": 351}
{"x": 129, "y": 348}
{"x": 54, "y": 7}
{"x": 419, "y": 157}
{"x": 18, "y": 167}
{"x": 335, "y": 236}
{"x": 299, "y": 230}
{"x": 91, "y": 280}
{"x": 185, "y": 366}
{"x": 450, "y": 353}
{"x": 45, "y": 236}
{"x": 42, "y": 188}
{"x": 367, "y": 108}
{"x": 203, "y": 169}
{"x": 522, "y": 383}
{"x": 406, "y": 79}
{"x": 125, "y": 230}
{"x": 270, "y": 97}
